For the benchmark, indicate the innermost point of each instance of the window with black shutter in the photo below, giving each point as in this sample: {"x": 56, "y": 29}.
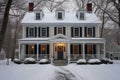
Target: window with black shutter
{"x": 85, "y": 32}
{"x": 39, "y": 32}
{"x": 47, "y": 31}
{"x": 26, "y": 50}
{"x": 39, "y": 48}
{"x": 35, "y": 50}
{"x": 55, "y": 30}
{"x": 80, "y": 31}
{"x": 35, "y": 31}
{"x": 63, "y": 30}
{"x": 79, "y": 48}
{"x": 71, "y": 48}
{"x": 94, "y": 49}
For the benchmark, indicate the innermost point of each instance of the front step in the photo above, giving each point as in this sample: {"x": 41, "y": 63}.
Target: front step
{"x": 60, "y": 62}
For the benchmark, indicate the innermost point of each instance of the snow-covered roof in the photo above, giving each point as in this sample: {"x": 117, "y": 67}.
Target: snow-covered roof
{"x": 70, "y": 17}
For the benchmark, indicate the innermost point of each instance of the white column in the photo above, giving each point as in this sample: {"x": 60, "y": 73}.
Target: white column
{"x": 51, "y": 48}
{"x": 37, "y": 51}
{"x": 69, "y": 53}
{"x": 83, "y": 31}
{"x": 83, "y": 50}
{"x": 98, "y": 50}
{"x": 19, "y": 52}
{"x": 104, "y": 50}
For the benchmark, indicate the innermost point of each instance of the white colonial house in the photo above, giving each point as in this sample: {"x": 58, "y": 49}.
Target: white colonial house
{"x": 61, "y": 35}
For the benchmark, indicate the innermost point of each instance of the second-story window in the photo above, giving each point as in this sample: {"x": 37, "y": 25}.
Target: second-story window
{"x": 76, "y": 31}
{"x": 43, "y": 32}
{"x": 90, "y": 32}
{"x": 31, "y": 32}
{"x": 59, "y": 30}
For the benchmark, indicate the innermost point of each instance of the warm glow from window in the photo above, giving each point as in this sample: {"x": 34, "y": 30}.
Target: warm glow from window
{"x": 89, "y": 49}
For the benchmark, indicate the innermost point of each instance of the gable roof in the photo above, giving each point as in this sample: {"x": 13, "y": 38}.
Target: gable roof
{"x": 70, "y": 17}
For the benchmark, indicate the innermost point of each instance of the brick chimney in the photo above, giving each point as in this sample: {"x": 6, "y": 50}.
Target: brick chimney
{"x": 89, "y": 7}
{"x": 31, "y": 6}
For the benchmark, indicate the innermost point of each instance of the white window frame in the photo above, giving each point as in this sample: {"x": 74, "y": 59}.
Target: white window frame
{"x": 92, "y": 31}
{"x": 62, "y": 15}
{"x": 29, "y": 31}
{"x": 79, "y": 15}
{"x": 74, "y": 31}
{"x": 40, "y": 15}
{"x": 57, "y": 29}
{"x": 41, "y": 31}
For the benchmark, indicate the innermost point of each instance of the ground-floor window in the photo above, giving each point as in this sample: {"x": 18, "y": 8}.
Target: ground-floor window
{"x": 90, "y": 49}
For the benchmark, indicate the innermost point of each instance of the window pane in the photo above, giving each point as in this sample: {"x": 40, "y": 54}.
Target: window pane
{"x": 31, "y": 32}
{"x": 89, "y": 32}
{"x": 59, "y": 30}
{"x": 89, "y": 49}
{"x": 37, "y": 16}
{"x": 76, "y": 49}
{"x": 59, "y": 15}
{"x": 76, "y": 31}
{"x": 44, "y": 32}
{"x": 81, "y": 15}
{"x": 43, "y": 49}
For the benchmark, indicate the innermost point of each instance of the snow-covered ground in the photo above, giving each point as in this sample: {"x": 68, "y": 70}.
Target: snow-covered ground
{"x": 48, "y": 71}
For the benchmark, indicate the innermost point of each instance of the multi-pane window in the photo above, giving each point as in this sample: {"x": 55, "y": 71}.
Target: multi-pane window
{"x": 59, "y": 15}
{"x": 31, "y": 32}
{"x": 89, "y": 32}
{"x": 76, "y": 31}
{"x": 76, "y": 49}
{"x": 43, "y": 49}
{"x": 44, "y": 32}
{"x": 82, "y": 16}
{"x": 38, "y": 16}
{"x": 60, "y": 30}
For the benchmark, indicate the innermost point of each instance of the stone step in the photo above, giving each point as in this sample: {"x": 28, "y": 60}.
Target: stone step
{"x": 60, "y": 62}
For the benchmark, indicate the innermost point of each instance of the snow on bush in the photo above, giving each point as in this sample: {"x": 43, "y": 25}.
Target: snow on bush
{"x": 94, "y": 61}
{"x": 17, "y": 61}
{"x": 29, "y": 61}
{"x": 106, "y": 61}
{"x": 81, "y": 61}
{"x": 44, "y": 61}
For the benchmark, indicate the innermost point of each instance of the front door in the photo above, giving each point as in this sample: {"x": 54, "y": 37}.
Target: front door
{"x": 60, "y": 52}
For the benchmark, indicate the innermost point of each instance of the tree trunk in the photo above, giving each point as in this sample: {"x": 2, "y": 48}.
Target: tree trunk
{"x": 4, "y": 23}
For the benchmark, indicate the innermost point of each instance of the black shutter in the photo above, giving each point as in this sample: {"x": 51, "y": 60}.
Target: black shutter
{"x": 63, "y": 30}
{"x": 35, "y": 49}
{"x": 39, "y": 49}
{"x": 47, "y": 48}
{"x": 85, "y": 32}
{"x": 85, "y": 48}
{"x": 55, "y": 30}
{"x": 80, "y": 31}
{"x": 94, "y": 49}
{"x": 35, "y": 31}
{"x": 71, "y": 31}
{"x": 39, "y": 32}
{"x": 71, "y": 48}
{"x": 93, "y": 31}
{"x": 47, "y": 31}
{"x": 26, "y": 50}
{"x": 79, "y": 48}
{"x": 26, "y": 31}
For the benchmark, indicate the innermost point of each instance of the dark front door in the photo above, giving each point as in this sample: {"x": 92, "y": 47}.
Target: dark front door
{"x": 60, "y": 52}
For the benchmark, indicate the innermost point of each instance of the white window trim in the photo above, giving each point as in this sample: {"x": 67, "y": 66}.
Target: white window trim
{"x": 92, "y": 31}
{"x": 40, "y": 15}
{"x": 59, "y": 27}
{"x": 41, "y": 31}
{"x": 79, "y": 15}
{"x": 29, "y": 32}
{"x": 62, "y": 14}
{"x": 74, "y": 31}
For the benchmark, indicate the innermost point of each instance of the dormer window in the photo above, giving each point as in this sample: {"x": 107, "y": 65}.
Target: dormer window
{"x": 38, "y": 14}
{"x": 81, "y": 14}
{"x": 60, "y": 13}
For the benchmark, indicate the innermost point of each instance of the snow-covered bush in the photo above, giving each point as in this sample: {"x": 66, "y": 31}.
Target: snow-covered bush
{"x": 43, "y": 61}
{"x": 17, "y": 61}
{"x": 81, "y": 61}
{"x": 94, "y": 61}
{"x": 29, "y": 61}
{"x": 106, "y": 61}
